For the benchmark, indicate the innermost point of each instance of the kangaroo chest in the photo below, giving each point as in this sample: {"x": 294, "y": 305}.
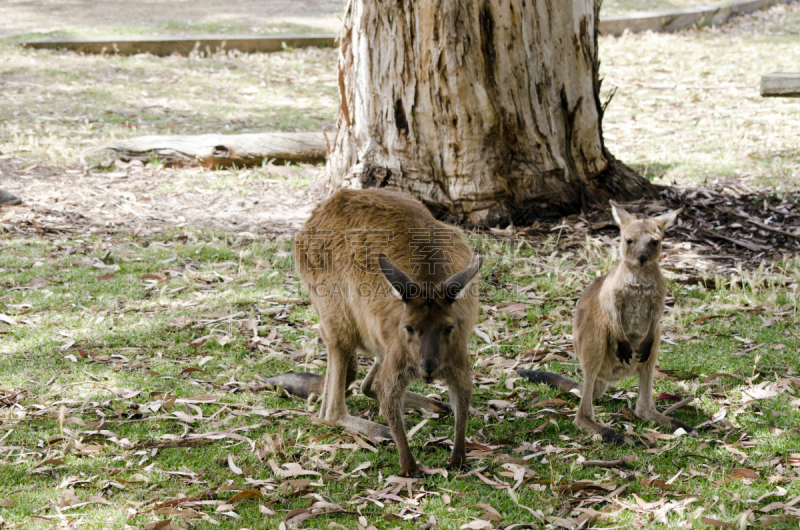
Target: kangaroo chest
{"x": 638, "y": 306}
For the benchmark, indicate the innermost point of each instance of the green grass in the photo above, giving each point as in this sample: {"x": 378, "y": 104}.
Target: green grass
{"x": 59, "y": 107}
{"x": 135, "y": 337}
{"x": 79, "y": 344}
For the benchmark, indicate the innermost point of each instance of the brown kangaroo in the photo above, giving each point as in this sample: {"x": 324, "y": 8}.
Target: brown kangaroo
{"x": 414, "y": 313}
{"x": 619, "y": 314}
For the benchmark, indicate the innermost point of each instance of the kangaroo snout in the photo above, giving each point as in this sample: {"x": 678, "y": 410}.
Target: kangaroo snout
{"x": 428, "y": 369}
{"x": 643, "y": 259}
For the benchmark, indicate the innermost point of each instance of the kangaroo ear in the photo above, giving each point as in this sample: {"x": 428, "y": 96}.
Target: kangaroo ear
{"x": 665, "y": 221}
{"x": 621, "y": 217}
{"x": 405, "y": 287}
{"x": 453, "y": 287}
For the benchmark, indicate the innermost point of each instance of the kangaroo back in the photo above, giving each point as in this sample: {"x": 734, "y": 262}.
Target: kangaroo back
{"x": 388, "y": 279}
{"x": 345, "y": 235}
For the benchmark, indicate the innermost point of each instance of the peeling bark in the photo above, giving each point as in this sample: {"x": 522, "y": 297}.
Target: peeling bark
{"x": 488, "y": 111}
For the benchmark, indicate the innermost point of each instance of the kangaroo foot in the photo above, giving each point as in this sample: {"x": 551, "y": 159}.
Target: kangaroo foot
{"x": 458, "y": 466}
{"x": 9, "y": 199}
{"x": 549, "y": 378}
{"x": 669, "y": 423}
{"x": 365, "y": 427}
{"x": 418, "y": 401}
{"x": 303, "y": 385}
{"x": 678, "y": 424}
{"x": 412, "y": 471}
{"x": 440, "y": 407}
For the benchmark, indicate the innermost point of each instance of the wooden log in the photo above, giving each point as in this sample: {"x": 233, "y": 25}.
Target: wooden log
{"x": 665, "y": 22}
{"x": 218, "y": 150}
{"x": 185, "y": 45}
{"x": 780, "y": 85}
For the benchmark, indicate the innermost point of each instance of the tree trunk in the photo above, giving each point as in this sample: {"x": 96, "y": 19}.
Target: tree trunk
{"x": 488, "y": 111}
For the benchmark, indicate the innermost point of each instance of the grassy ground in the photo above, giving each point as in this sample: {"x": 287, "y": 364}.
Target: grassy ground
{"x": 130, "y": 365}
{"x": 114, "y": 347}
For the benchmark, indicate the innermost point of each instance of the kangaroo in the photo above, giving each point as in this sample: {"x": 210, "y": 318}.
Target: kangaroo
{"x": 618, "y": 315}
{"x": 414, "y": 313}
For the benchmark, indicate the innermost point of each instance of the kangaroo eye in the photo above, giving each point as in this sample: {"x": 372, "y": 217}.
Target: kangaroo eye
{"x": 449, "y": 329}
{"x": 654, "y": 242}
{"x": 629, "y": 241}
{"x": 410, "y": 330}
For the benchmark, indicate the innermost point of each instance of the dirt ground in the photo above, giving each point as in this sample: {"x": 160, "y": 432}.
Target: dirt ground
{"x": 132, "y": 198}
{"x": 26, "y": 16}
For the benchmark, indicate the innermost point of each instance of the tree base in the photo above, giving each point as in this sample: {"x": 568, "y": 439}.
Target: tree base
{"x": 556, "y": 199}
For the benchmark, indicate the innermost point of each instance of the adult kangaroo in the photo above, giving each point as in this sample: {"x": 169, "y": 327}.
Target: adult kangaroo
{"x": 618, "y": 315}
{"x": 388, "y": 280}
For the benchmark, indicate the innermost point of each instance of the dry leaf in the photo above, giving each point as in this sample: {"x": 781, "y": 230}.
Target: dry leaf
{"x": 737, "y": 474}
{"x": 237, "y": 470}
{"x": 716, "y": 523}
{"x": 157, "y": 525}
{"x": 296, "y": 517}
{"x": 550, "y": 403}
{"x": 244, "y": 494}
{"x": 478, "y": 524}
{"x": 491, "y": 514}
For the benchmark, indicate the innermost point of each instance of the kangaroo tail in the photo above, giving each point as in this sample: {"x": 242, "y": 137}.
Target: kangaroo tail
{"x": 302, "y": 385}
{"x": 549, "y": 378}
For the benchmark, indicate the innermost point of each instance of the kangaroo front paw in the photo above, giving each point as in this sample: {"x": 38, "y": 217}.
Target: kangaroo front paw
{"x": 644, "y": 350}
{"x": 624, "y": 352}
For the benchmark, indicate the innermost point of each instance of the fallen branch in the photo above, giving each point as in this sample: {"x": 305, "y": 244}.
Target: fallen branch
{"x": 619, "y": 462}
{"x": 762, "y": 225}
{"x": 171, "y": 444}
{"x": 217, "y": 150}
{"x": 742, "y": 243}
{"x": 218, "y": 320}
{"x": 679, "y": 404}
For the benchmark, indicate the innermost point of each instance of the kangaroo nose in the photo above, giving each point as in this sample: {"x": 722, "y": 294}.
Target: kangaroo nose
{"x": 428, "y": 368}
{"x": 642, "y": 260}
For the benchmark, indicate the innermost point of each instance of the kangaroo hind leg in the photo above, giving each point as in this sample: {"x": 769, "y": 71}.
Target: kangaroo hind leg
{"x": 303, "y": 385}
{"x": 646, "y": 407}
{"x": 584, "y": 419}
